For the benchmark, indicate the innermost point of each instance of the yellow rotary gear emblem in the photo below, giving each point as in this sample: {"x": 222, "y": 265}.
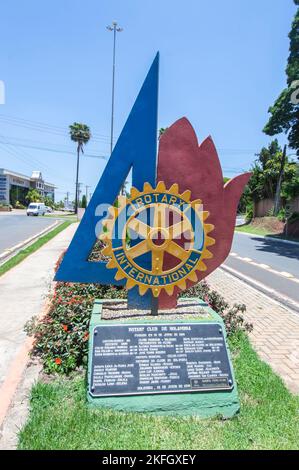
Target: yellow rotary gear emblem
{"x": 157, "y": 238}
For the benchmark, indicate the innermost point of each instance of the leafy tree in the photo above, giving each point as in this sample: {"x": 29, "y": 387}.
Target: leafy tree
{"x": 59, "y": 205}
{"x": 265, "y": 176}
{"x": 80, "y": 133}
{"x": 285, "y": 111}
{"x": 290, "y": 187}
{"x": 245, "y": 201}
{"x": 49, "y": 202}
{"x": 33, "y": 196}
{"x": 84, "y": 202}
{"x": 265, "y": 171}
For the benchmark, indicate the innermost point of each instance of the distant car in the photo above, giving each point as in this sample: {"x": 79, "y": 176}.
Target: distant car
{"x": 36, "y": 208}
{"x": 49, "y": 209}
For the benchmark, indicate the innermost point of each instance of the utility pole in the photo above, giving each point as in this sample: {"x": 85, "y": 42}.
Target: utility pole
{"x": 77, "y": 177}
{"x": 115, "y": 30}
{"x": 78, "y": 194}
{"x": 66, "y": 200}
{"x": 86, "y": 193}
{"x": 279, "y": 182}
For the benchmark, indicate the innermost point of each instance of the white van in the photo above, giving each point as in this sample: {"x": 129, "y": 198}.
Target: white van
{"x": 36, "y": 208}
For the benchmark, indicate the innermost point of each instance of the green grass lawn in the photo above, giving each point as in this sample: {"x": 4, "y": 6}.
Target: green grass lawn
{"x": 32, "y": 248}
{"x": 269, "y": 419}
{"x": 263, "y": 231}
{"x": 72, "y": 217}
{"x": 253, "y": 230}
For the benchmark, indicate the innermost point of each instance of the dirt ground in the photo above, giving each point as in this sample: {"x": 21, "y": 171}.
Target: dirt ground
{"x": 271, "y": 224}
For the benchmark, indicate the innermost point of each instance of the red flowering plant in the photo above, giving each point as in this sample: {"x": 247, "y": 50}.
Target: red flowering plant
{"x": 61, "y": 337}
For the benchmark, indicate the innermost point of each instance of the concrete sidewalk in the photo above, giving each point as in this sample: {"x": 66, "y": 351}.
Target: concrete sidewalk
{"x": 275, "y": 334}
{"x": 23, "y": 292}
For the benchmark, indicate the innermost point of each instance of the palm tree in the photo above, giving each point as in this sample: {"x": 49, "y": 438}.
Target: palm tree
{"x": 33, "y": 196}
{"x": 79, "y": 133}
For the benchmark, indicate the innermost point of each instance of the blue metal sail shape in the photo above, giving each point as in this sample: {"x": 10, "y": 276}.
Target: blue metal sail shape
{"x": 136, "y": 148}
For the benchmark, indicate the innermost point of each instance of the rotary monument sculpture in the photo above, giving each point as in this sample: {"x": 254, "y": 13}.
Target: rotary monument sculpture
{"x": 173, "y": 229}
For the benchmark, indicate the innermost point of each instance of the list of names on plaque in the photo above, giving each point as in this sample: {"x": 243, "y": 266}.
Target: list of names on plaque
{"x": 133, "y": 359}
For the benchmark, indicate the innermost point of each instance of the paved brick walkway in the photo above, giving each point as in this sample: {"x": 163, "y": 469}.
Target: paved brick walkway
{"x": 276, "y": 329}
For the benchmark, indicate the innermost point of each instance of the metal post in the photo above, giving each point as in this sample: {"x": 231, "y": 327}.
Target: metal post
{"x": 86, "y": 193}
{"x": 115, "y": 30}
{"x": 77, "y": 177}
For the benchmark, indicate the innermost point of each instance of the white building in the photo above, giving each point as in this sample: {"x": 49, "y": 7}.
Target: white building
{"x": 15, "y": 186}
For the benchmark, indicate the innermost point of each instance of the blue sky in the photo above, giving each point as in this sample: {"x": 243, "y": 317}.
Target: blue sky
{"x": 221, "y": 65}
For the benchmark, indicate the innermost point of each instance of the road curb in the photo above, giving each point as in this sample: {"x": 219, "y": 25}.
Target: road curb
{"x": 18, "y": 366}
{"x": 17, "y": 247}
{"x": 283, "y": 301}
{"x": 288, "y": 242}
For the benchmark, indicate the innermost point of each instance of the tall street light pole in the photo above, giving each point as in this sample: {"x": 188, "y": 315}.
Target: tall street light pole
{"x": 115, "y": 30}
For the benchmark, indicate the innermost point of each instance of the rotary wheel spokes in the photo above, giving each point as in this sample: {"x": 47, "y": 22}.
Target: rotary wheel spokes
{"x": 176, "y": 250}
{"x": 161, "y": 224}
{"x": 159, "y": 238}
{"x": 138, "y": 249}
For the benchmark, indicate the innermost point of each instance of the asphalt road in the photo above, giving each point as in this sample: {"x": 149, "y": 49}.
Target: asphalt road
{"x": 17, "y": 228}
{"x": 271, "y": 263}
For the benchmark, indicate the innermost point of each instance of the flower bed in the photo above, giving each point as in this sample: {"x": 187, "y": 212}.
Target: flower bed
{"x": 61, "y": 337}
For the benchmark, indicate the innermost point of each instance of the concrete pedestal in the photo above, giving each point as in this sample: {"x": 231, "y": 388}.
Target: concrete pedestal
{"x": 199, "y": 403}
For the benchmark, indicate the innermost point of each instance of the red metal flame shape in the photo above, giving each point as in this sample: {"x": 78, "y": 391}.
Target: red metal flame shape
{"x": 197, "y": 168}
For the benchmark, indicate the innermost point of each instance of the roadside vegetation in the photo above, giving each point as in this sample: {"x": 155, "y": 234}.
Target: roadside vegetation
{"x": 266, "y": 179}
{"x": 273, "y": 227}
{"x": 21, "y": 255}
{"x": 61, "y": 337}
{"x": 269, "y": 418}
{"x": 68, "y": 216}
{"x": 61, "y": 419}
{"x": 262, "y": 226}
{"x": 275, "y": 173}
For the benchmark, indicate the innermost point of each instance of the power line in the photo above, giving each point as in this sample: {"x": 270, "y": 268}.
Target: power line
{"x": 14, "y": 155}
{"x": 43, "y": 125}
{"x": 31, "y": 141}
{"x": 61, "y": 131}
{"x": 55, "y": 150}
{"x": 47, "y": 128}
{"x": 41, "y": 165}
{"x": 30, "y": 157}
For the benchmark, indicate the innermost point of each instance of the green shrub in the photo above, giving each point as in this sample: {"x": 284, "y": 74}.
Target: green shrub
{"x": 282, "y": 215}
{"x": 18, "y": 205}
{"x": 5, "y": 204}
{"x": 61, "y": 337}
